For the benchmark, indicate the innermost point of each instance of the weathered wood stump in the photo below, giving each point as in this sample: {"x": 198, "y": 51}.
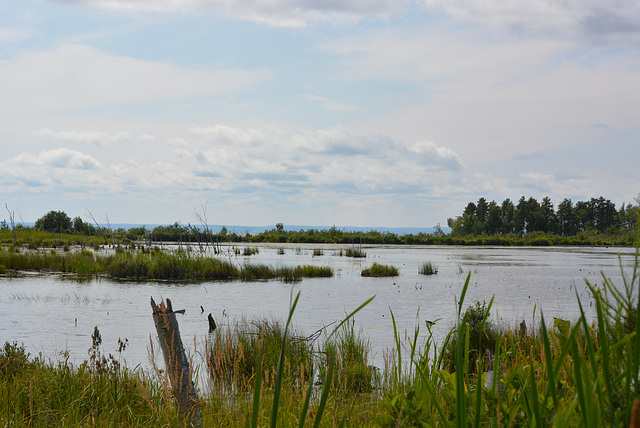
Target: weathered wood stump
{"x": 176, "y": 361}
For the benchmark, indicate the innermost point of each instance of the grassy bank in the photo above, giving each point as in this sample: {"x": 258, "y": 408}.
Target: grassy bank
{"x": 176, "y": 265}
{"x": 573, "y": 373}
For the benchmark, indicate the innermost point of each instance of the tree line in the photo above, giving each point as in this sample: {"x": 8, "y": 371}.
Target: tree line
{"x": 529, "y": 215}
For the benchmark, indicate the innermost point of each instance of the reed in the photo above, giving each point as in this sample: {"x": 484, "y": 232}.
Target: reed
{"x": 355, "y": 252}
{"x": 157, "y": 265}
{"x": 379, "y": 270}
{"x": 428, "y": 268}
{"x": 234, "y": 353}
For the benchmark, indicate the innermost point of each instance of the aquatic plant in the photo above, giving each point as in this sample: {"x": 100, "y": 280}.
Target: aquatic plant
{"x": 355, "y": 252}
{"x": 379, "y": 270}
{"x": 427, "y": 268}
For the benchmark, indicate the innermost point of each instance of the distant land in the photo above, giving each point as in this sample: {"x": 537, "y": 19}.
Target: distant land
{"x": 215, "y": 228}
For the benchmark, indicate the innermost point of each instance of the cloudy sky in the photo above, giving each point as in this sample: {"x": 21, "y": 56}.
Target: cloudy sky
{"x": 319, "y": 112}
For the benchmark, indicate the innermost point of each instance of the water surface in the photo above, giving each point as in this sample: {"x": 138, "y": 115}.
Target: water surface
{"x": 52, "y": 314}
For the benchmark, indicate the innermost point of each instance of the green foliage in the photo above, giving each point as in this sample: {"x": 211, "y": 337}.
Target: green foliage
{"x": 378, "y": 270}
{"x": 530, "y": 217}
{"x": 480, "y": 334}
{"x": 54, "y": 221}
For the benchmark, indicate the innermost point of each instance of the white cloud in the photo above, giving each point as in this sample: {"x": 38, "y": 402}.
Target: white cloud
{"x": 488, "y": 100}
{"x": 77, "y": 76}
{"x": 291, "y": 14}
{"x": 227, "y": 159}
{"x": 62, "y": 158}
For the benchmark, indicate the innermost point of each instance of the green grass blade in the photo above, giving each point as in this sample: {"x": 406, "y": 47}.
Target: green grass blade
{"x": 461, "y": 405}
{"x": 463, "y": 293}
{"x": 257, "y": 387}
{"x": 325, "y": 388}
{"x": 534, "y": 392}
{"x": 398, "y": 371}
{"x": 278, "y": 382}
{"x": 427, "y": 383}
{"x": 305, "y": 406}
{"x": 577, "y": 373}
{"x": 549, "y": 362}
{"x": 348, "y": 317}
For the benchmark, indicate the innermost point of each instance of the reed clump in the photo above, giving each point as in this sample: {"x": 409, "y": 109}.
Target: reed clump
{"x": 355, "y": 252}
{"x": 379, "y": 270}
{"x": 235, "y": 351}
{"x": 155, "y": 265}
{"x": 428, "y": 268}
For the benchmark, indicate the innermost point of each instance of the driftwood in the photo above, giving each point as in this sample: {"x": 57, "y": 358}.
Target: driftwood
{"x": 212, "y": 323}
{"x": 176, "y": 361}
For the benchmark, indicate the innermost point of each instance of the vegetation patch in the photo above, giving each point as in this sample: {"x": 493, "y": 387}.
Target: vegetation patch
{"x": 378, "y": 270}
{"x": 156, "y": 265}
{"x": 428, "y": 268}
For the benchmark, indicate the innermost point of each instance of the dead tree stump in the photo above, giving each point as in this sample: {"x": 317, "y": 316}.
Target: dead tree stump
{"x": 176, "y": 361}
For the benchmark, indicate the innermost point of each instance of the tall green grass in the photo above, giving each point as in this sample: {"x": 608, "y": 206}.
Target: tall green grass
{"x": 576, "y": 374}
{"x": 178, "y": 265}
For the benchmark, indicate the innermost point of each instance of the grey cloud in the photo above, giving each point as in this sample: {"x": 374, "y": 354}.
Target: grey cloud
{"x": 593, "y": 20}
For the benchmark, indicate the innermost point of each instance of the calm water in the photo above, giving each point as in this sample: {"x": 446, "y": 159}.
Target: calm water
{"x": 50, "y": 314}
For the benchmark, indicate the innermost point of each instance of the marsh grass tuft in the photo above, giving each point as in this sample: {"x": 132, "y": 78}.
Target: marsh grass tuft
{"x": 179, "y": 265}
{"x": 355, "y": 252}
{"x": 427, "y": 268}
{"x": 379, "y": 270}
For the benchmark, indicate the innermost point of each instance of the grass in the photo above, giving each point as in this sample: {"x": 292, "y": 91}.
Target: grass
{"x": 427, "y": 268}
{"x": 158, "y": 265}
{"x": 569, "y": 374}
{"x": 378, "y": 270}
{"x": 355, "y": 252}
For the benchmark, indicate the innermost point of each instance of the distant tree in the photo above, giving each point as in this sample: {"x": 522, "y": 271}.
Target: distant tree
{"x": 548, "y": 215}
{"x": 223, "y": 231}
{"x": 493, "y": 223}
{"x": 507, "y": 215}
{"x": 482, "y": 210}
{"x": 566, "y": 218}
{"x": 54, "y": 221}
{"x": 584, "y": 216}
{"x": 470, "y": 209}
{"x": 521, "y": 216}
{"x": 279, "y": 227}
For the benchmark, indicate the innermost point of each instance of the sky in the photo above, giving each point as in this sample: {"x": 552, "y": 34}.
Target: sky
{"x": 391, "y": 113}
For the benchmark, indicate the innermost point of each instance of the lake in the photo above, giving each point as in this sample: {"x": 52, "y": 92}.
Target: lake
{"x": 52, "y": 314}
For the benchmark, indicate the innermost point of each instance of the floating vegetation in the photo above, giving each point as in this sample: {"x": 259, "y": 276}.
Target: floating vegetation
{"x": 318, "y": 252}
{"x": 427, "y": 268}
{"x": 378, "y": 270}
